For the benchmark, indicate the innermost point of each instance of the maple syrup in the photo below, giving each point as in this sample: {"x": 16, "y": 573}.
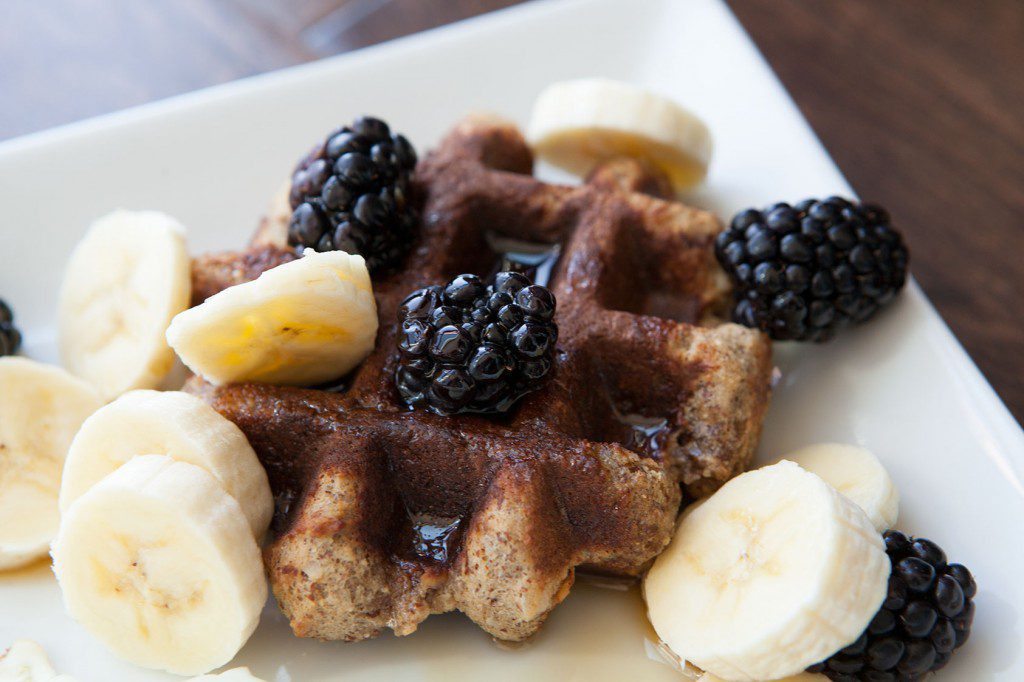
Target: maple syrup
{"x": 642, "y": 434}
{"x": 536, "y": 260}
{"x": 434, "y": 538}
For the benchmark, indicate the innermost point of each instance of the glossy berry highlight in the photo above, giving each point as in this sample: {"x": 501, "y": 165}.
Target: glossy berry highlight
{"x": 804, "y": 272}
{"x": 925, "y": 618}
{"x": 351, "y": 193}
{"x": 471, "y": 347}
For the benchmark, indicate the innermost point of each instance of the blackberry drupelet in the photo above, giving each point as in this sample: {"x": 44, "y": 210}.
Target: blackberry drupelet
{"x": 803, "y": 272}
{"x": 351, "y": 193}
{"x": 10, "y": 337}
{"x": 467, "y": 347}
{"x": 925, "y": 617}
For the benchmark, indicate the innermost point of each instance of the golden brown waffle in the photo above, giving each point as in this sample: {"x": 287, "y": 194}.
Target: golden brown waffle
{"x": 386, "y": 515}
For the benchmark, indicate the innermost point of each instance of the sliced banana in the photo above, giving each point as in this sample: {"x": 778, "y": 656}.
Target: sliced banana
{"x": 802, "y": 677}
{"x": 857, "y": 474}
{"x": 126, "y": 279}
{"x": 25, "y": 661}
{"x": 233, "y": 675}
{"x": 302, "y": 323}
{"x": 774, "y": 572}
{"x": 175, "y": 424}
{"x": 159, "y": 563}
{"x": 578, "y": 124}
{"x": 41, "y": 408}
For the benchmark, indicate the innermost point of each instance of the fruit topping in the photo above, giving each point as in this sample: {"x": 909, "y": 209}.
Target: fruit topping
{"x": 579, "y": 124}
{"x": 10, "y": 337}
{"x": 175, "y": 424}
{"x": 303, "y": 323}
{"x": 127, "y": 277}
{"x": 755, "y": 570}
{"x": 41, "y": 408}
{"x": 801, "y": 677}
{"x": 26, "y": 661}
{"x": 804, "y": 272}
{"x": 159, "y": 563}
{"x": 351, "y": 193}
{"x": 926, "y": 616}
{"x": 471, "y": 347}
{"x": 858, "y": 475}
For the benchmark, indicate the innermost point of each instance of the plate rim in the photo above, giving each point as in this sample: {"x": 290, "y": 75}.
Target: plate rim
{"x": 996, "y": 420}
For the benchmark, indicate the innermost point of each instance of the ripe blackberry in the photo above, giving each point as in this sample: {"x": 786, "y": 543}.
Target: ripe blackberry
{"x": 925, "y": 617}
{"x": 351, "y": 193}
{"x": 467, "y": 347}
{"x": 803, "y": 272}
{"x": 10, "y": 337}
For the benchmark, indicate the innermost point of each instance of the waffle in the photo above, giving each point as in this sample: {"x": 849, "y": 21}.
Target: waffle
{"x": 386, "y": 515}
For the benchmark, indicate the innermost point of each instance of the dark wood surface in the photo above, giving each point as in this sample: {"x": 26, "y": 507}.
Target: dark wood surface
{"x": 921, "y": 102}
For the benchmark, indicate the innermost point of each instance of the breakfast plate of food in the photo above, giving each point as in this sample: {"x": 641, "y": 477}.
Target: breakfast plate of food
{"x": 548, "y": 345}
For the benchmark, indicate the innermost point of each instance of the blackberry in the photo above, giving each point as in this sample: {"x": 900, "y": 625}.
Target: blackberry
{"x": 469, "y": 347}
{"x": 10, "y": 337}
{"x": 351, "y": 193}
{"x": 925, "y": 617}
{"x": 804, "y": 272}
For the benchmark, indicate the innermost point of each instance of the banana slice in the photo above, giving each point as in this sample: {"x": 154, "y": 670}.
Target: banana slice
{"x": 302, "y": 323}
{"x": 26, "y": 661}
{"x": 175, "y": 424}
{"x": 773, "y": 573}
{"x": 802, "y": 677}
{"x": 233, "y": 675}
{"x": 41, "y": 408}
{"x": 159, "y": 563}
{"x": 126, "y": 279}
{"x": 857, "y": 474}
{"x": 578, "y": 124}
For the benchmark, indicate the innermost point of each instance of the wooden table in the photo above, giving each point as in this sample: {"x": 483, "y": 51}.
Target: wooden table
{"x": 921, "y": 102}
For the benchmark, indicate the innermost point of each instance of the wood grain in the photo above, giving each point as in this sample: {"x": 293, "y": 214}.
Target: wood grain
{"x": 63, "y": 60}
{"x": 921, "y": 102}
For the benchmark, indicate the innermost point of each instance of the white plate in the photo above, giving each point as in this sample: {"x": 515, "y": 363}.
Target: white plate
{"x": 902, "y": 386}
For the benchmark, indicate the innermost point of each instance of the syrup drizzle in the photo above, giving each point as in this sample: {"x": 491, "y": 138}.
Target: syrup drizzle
{"x": 536, "y": 260}
{"x": 434, "y": 538}
{"x": 644, "y": 434}
{"x": 593, "y": 635}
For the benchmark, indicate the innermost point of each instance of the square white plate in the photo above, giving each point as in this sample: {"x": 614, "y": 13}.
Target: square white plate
{"x": 901, "y": 386}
